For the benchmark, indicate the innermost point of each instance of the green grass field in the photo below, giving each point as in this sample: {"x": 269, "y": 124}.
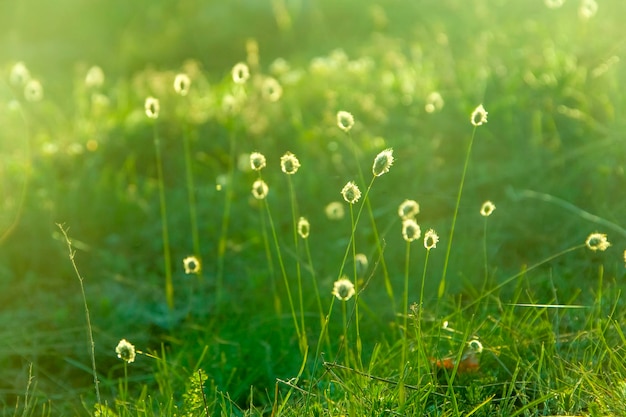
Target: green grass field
{"x": 182, "y": 175}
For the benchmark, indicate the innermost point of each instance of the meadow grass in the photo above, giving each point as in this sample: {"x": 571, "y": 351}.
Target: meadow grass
{"x": 215, "y": 282}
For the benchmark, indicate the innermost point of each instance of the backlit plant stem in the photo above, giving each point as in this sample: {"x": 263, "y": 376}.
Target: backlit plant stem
{"x": 167, "y": 260}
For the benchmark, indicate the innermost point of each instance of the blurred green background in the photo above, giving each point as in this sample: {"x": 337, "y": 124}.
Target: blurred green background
{"x": 553, "y": 84}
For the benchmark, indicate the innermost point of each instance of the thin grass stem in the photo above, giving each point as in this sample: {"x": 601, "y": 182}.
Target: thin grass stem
{"x": 359, "y": 345}
{"x": 167, "y": 260}
{"x": 323, "y": 332}
{"x": 405, "y": 337}
{"x": 442, "y": 284}
{"x": 315, "y": 286}
{"x": 379, "y": 246}
{"x": 294, "y": 218}
{"x": 92, "y": 344}
{"x": 281, "y": 263}
{"x": 270, "y": 261}
{"x": 228, "y": 199}
{"x": 191, "y": 196}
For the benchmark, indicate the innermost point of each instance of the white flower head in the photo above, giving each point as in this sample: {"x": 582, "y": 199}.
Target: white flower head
{"x": 182, "y": 83}
{"x": 430, "y": 239}
{"x": 191, "y": 265}
{"x": 343, "y": 289}
{"x": 257, "y": 161}
{"x": 410, "y": 230}
{"x": 271, "y": 90}
{"x": 33, "y": 91}
{"x": 94, "y": 77}
{"x": 408, "y": 209}
{"x": 361, "y": 263}
{"x": 304, "y": 227}
{"x": 345, "y": 120}
{"x": 125, "y": 351}
{"x": 351, "y": 193}
{"x": 334, "y": 210}
{"x": 597, "y": 241}
{"x": 20, "y": 74}
{"x": 289, "y": 163}
{"x": 475, "y": 345}
{"x": 554, "y": 4}
{"x": 259, "y": 189}
{"x": 240, "y": 73}
{"x": 434, "y": 102}
{"x": 152, "y": 107}
{"x": 487, "y": 208}
{"x": 382, "y": 162}
{"x": 479, "y": 116}
{"x": 587, "y": 9}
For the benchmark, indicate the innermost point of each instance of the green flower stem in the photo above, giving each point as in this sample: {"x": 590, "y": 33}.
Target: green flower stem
{"x": 359, "y": 344}
{"x": 167, "y": 260}
{"x": 323, "y": 334}
{"x": 270, "y": 262}
{"x": 405, "y": 315}
{"x": 379, "y": 246}
{"x": 420, "y": 310}
{"x": 442, "y": 283}
{"x": 315, "y": 286}
{"x": 191, "y": 196}
{"x": 281, "y": 263}
{"x": 92, "y": 343}
{"x": 221, "y": 246}
{"x": 294, "y": 218}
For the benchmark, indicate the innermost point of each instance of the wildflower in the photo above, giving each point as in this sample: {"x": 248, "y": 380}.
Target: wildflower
{"x": 259, "y": 189}
{"x": 351, "y": 192}
{"x": 182, "y": 83}
{"x": 382, "y": 162}
{"x": 240, "y": 73}
{"x": 361, "y": 262}
{"x": 479, "y": 116}
{"x": 94, "y": 77}
{"x": 279, "y": 67}
{"x": 257, "y": 161}
{"x": 343, "y": 289}
{"x": 289, "y": 164}
{"x": 588, "y": 9}
{"x": 152, "y": 107}
{"x": 345, "y": 120}
{"x": 271, "y": 89}
{"x": 229, "y": 103}
{"x": 334, "y": 210}
{"x": 430, "y": 239}
{"x": 554, "y": 4}
{"x": 192, "y": 265}
{"x": 434, "y": 102}
{"x": 475, "y": 345}
{"x": 303, "y": 227}
{"x": 19, "y": 74}
{"x": 408, "y": 209}
{"x": 410, "y": 230}
{"x": 597, "y": 241}
{"x": 487, "y": 208}
{"x": 624, "y": 258}
{"x": 125, "y": 351}
{"x": 33, "y": 91}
